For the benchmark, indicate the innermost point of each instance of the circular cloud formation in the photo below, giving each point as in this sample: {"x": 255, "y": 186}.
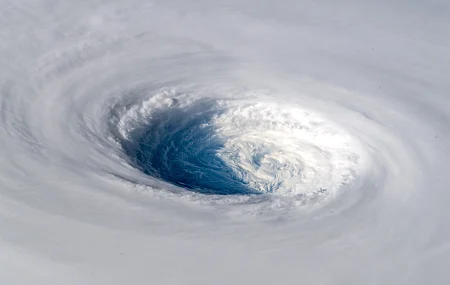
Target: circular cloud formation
{"x": 179, "y": 124}
{"x": 236, "y": 146}
{"x": 141, "y": 139}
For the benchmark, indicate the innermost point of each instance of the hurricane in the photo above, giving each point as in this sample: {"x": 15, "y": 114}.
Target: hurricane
{"x": 224, "y": 142}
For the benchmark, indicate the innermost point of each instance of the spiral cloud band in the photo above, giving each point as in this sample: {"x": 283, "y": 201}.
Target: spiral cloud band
{"x": 224, "y": 142}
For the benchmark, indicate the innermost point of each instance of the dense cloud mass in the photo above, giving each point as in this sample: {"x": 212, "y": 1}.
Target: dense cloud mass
{"x": 224, "y": 142}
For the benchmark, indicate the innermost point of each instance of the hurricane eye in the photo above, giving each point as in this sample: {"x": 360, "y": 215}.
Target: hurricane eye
{"x": 238, "y": 147}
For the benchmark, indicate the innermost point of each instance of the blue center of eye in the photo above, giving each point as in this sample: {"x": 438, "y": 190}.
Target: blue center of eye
{"x": 180, "y": 146}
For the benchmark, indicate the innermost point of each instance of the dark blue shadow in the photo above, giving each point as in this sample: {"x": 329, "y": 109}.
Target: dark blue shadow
{"x": 180, "y": 146}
